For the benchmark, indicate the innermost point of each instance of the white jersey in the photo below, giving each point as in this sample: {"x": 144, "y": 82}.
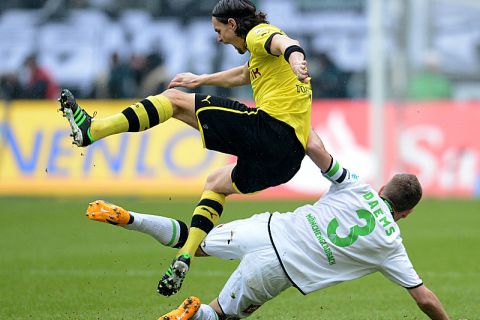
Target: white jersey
{"x": 349, "y": 233}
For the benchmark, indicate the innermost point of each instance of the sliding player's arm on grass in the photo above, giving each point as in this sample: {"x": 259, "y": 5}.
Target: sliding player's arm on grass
{"x": 233, "y": 77}
{"x": 428, "y": 302}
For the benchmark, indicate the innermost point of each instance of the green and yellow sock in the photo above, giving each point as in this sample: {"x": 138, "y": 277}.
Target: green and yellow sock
{"x": 205, "y": 216}
{"x": 138, "y": 117}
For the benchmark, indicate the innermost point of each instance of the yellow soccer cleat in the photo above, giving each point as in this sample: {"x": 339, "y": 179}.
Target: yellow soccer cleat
{"x": 107, "y": 212}
{"x": 185, "y": 311}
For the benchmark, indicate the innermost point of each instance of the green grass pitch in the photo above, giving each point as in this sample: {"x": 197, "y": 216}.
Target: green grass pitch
{"x": 55, "y": 264}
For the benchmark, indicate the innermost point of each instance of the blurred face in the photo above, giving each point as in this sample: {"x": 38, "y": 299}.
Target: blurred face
{"x": 402, "y": 215}
{"x": 226, "y": 34}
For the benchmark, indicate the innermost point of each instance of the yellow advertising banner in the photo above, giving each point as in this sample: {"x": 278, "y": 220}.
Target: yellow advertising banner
{"x": 37, "y": 157}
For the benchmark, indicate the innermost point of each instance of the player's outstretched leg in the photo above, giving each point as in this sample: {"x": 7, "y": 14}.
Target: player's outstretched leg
{"x": 138, "y": 117}
{"x": 185, "y": 311}
{"x": 205, "y": 216}
{"x": 169, "y": 232}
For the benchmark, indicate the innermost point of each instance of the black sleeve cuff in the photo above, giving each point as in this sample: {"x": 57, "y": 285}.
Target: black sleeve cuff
{"x": 268, "y": 43}
{"x": 418, "y": 285}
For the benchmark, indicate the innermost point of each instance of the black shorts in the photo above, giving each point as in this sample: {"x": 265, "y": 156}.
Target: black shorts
{"x": 268, "y": 150}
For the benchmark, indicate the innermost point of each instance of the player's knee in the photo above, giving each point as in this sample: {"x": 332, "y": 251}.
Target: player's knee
{"x": 212, "y": 182}
{"x": 172, "y": 95}
{"x": 182, "y": 103}
{"x": 218, "y": 183}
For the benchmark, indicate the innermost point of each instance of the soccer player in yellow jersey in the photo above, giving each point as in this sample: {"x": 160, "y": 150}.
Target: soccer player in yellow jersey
{"x": 270, "y": 141}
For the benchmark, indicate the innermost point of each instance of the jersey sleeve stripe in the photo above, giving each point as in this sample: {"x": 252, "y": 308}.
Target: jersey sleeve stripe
{"x": 268, "y": 43}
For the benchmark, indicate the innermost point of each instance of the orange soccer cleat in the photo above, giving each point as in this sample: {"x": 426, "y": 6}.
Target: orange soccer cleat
{"x": 185, "y": 311}
{"x": 107, "y": 212}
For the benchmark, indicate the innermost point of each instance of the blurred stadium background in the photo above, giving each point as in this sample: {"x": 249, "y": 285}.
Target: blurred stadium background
{"x": 396, "y": 87}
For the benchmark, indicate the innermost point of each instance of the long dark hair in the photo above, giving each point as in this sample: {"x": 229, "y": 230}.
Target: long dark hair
{"x": 243, "y": 12}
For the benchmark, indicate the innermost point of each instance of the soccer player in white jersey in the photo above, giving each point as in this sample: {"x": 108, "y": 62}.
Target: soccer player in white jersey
{"x": 350, "y": 232}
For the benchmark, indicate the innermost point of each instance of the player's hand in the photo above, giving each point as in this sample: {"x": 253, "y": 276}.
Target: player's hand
{"x": 300, "y": 69}
{"x": 186, "y": 80}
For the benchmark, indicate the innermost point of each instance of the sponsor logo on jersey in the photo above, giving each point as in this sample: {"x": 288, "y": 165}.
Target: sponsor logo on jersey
{"x": 261, "y": 31}
{"x": 321, "y": 239}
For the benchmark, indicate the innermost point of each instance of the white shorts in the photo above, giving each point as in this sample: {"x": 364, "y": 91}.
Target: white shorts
{"x": 259, "y": 277}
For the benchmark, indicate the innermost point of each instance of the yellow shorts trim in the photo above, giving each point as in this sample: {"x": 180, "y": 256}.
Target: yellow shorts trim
{"x": 200, "y": 129}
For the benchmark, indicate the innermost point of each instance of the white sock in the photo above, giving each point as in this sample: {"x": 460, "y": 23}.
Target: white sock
{"x": 164, "y": 230}
{"x": 205, "y": 312}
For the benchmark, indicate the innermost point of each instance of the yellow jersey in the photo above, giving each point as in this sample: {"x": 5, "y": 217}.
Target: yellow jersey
{"x": 276, "y": 89}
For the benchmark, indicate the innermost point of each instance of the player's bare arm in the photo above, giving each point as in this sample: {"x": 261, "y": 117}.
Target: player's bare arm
{"x": 428, "y": 302}
{"x": 317, "y": 152}
{"x": 280, "y": 44}
{"x": 233, "y": 77}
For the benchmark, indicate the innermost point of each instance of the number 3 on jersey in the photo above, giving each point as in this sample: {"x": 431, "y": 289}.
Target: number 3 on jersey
{"x": 355, "y": 231}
